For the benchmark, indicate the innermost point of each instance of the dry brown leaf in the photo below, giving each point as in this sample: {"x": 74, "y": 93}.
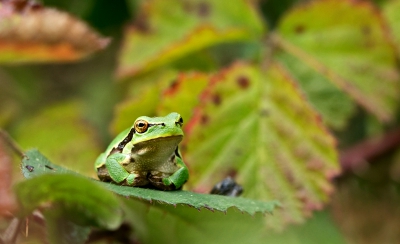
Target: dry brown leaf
{"x": 30, "y": 32}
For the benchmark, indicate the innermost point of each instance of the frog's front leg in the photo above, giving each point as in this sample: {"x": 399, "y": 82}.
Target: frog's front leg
{"x": 179, "y": 177}
{"x": 117, "y": 172}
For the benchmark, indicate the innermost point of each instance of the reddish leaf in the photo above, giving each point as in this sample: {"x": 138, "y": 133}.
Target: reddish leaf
{"x": 257, "y": 125}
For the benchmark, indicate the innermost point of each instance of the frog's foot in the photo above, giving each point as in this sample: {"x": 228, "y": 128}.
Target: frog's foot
{"x": 103, "y": 174}
{"x": 156, "y": 179}
{"x": 178, "y": 178}
{"x": 137, "y": 179}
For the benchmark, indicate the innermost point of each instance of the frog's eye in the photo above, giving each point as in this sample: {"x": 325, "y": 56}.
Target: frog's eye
{"x": 179, "y": 122}
{"x": 141, "y": 126}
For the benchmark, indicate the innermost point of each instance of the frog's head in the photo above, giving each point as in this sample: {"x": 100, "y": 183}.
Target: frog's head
{"x": 147, "y": 128}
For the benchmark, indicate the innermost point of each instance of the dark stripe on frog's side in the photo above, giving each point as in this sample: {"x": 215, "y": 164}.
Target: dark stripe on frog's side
{"x": 172, "y": 159}
{"x": 177, "y": 153}
{"x": 127, "y": 139}
{"x": 122, "y": 144}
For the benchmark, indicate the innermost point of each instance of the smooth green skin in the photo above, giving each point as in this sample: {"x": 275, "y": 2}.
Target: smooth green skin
{"x": 152, "y": 152}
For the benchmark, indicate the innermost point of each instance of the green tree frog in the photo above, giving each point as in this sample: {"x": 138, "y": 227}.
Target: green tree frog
{"x": 146, "y": 155}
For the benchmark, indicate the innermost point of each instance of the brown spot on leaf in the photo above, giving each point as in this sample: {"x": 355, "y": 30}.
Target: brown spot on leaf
{"x": 264, "y": 112}
{"x": 203, "y": 9}
{"x": 204, "y": 119}
{"x": 299, "y": 29}
{"x": 243, "y": 82}
{"x": 141, "y": 23}
{"x": 366, "y": 30}
{"x": 174, "y": 84}
{"x": 216, "y": 99}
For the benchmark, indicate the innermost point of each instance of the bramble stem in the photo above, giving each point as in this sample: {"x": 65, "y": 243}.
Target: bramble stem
{"x": 11, "y": 143}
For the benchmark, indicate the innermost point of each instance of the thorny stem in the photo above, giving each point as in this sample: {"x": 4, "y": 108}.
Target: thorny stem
{"x": 11, "y": 143}
{"x": 357, "y": 155}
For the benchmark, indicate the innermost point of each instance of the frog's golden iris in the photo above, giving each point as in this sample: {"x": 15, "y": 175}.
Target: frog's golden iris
{"x": 141, "y": 126}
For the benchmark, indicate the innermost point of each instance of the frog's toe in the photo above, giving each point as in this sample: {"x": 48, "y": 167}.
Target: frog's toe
{"x": 167, "y": 181}
{"x": 130, "y": 179}
{"x": 137, "y": 179}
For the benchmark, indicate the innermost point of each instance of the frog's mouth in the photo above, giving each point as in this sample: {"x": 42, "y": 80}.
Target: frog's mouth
{"x": 161, "y": 141}
{"x": 157, "y": 149}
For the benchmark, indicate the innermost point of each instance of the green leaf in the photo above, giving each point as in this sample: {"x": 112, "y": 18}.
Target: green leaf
{"x": 61, "y": 132}
{"x": 346, "y": 42}
{"x": 335, "y": 106}
{"x": 166, "y": 32}
{"x": 196, "y": 200}
{"x": 256, "y": 124}
{"x": 36, "y": 164}
{"x": 30, "y": 34}
{"x": 76, "y": 198}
